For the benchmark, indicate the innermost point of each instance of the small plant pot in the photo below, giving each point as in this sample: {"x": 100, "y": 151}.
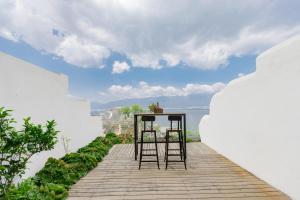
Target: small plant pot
{"x": 158, "y": 110}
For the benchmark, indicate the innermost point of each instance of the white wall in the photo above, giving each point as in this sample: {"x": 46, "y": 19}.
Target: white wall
{"x": 33, "y": 91}
{"x": 255, "y": 120}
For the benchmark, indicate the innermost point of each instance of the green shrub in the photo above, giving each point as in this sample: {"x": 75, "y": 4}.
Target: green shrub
{"x": 18, "y": 146}
{"x": 113, "y": 137}
{"x": 81, "y": 162}
{"x": 53, "y": 181}
{"x": 100, "y": 141}
{"x": 99, "y": 148}
{"x": 189, "y": 140}
{"x": 58, "y": 172}
{"x": 28, "y": 190}
{"x": 126, "y": 138}
{"x": 53, "y": 191}
{"x": 25, "y": 190}
{"x": 97, "y": 152}
{"x": 104, "y": 141}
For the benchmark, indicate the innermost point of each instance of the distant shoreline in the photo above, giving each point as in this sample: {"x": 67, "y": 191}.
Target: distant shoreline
{"x": 187, "y": 108}
{"x": 97, "y": 112}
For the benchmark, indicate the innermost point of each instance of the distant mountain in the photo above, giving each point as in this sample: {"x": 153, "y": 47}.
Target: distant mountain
{"x": 198, "y": 100}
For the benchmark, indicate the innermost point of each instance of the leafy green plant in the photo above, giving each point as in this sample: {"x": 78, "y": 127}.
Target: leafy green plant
{"x": 113, "y": 137}
{"x": 121, "y": 121}
{"x": 55, "y": 178}
{"x": 152, "y": 107}
{"x": 53, "y": 191}
{"x": 136, "y": 108}
{"x": 104, "y": 141}
{"x": 155, "y": 108}
{"x": 189, "y": 140}
{"x": 98, "y": 148}
{"x": 17, "y": 147}
{"x": 125, "y": 111}
{"x": 70, "y": 168}
{"x": 192, "y": 136}
{"x": 58, "y": 172}
{"x": 97, "y": 152}
{"x": 25, "y": 190}
{"x": 29, "y": 190}
{"x": 81, "y": 162}
{"x": 126, "y": 138}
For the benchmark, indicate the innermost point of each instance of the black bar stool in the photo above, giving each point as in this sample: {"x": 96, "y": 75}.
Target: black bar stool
{"x": 146, "y": 129}
{"x": 178, "y": 129}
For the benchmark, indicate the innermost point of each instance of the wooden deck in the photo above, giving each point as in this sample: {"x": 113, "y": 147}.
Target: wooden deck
{"x": 209, "y": 176}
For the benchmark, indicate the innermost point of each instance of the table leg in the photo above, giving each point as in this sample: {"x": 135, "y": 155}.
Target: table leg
{"x": 135, "y": 137}
{"x": 184, "y": 129}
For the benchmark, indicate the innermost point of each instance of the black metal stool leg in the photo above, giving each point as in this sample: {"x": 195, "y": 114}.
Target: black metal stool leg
{"x": 180, "y": 143}
{"x": 167, "y": 148}
{"x": 141, "y": 151}
{"x": 185, "y": 163}
{"x": 165, "y": 152}
{"x": 156, "y": 149}
{"x": 184, "y": 152}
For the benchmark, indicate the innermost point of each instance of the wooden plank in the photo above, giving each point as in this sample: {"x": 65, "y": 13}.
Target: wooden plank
{"x": 209, "y": 176}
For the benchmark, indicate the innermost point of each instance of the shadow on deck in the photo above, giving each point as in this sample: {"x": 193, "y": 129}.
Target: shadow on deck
{"x": 209, "y": 176}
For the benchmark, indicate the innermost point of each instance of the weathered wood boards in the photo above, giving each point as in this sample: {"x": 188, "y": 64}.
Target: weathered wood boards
{"x": 209, "y": 176}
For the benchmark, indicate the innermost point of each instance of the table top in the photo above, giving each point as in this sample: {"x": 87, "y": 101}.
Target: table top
{"x": 151, "y": 114}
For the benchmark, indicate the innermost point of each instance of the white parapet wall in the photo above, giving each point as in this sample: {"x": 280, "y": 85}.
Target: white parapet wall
{"x": 255, "y": 120}
{"x": 33, "y": 91}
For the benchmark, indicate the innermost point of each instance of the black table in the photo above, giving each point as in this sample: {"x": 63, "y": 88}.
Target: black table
{"x": 157, "y": 114}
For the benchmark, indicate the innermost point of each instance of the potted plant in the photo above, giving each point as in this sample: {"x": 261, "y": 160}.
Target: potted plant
{"x": 155, "y": 108}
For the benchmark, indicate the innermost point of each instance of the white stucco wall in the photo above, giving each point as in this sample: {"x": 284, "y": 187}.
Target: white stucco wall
{"x": 255, "y": 120}
{"x": 33, "y": 91}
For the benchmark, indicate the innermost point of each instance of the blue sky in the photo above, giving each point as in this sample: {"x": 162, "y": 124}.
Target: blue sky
{"x": 116, "y": 49}
{"x": 87, "y": 83}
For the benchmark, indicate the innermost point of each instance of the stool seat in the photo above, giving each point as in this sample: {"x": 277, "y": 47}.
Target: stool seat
{"x": 173, "y": 130}
{"x": 174, "y": 117}
{"x": 148, "y": 131}
{"x": 148, "y": 118}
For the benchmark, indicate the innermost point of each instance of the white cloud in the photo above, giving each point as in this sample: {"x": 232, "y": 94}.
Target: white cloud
{"x": 202, "y": 34}
{"x": 81, "y": 53}
{"x": 202, "y": 88}
{"x": 144, "y": 90}
{"x": 120, "y": 67}
{"x": 241, "y": 74}
{"x": 7, "y": 34}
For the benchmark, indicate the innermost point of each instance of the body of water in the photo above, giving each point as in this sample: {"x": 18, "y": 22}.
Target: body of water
{"x": 193, "y": 117}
